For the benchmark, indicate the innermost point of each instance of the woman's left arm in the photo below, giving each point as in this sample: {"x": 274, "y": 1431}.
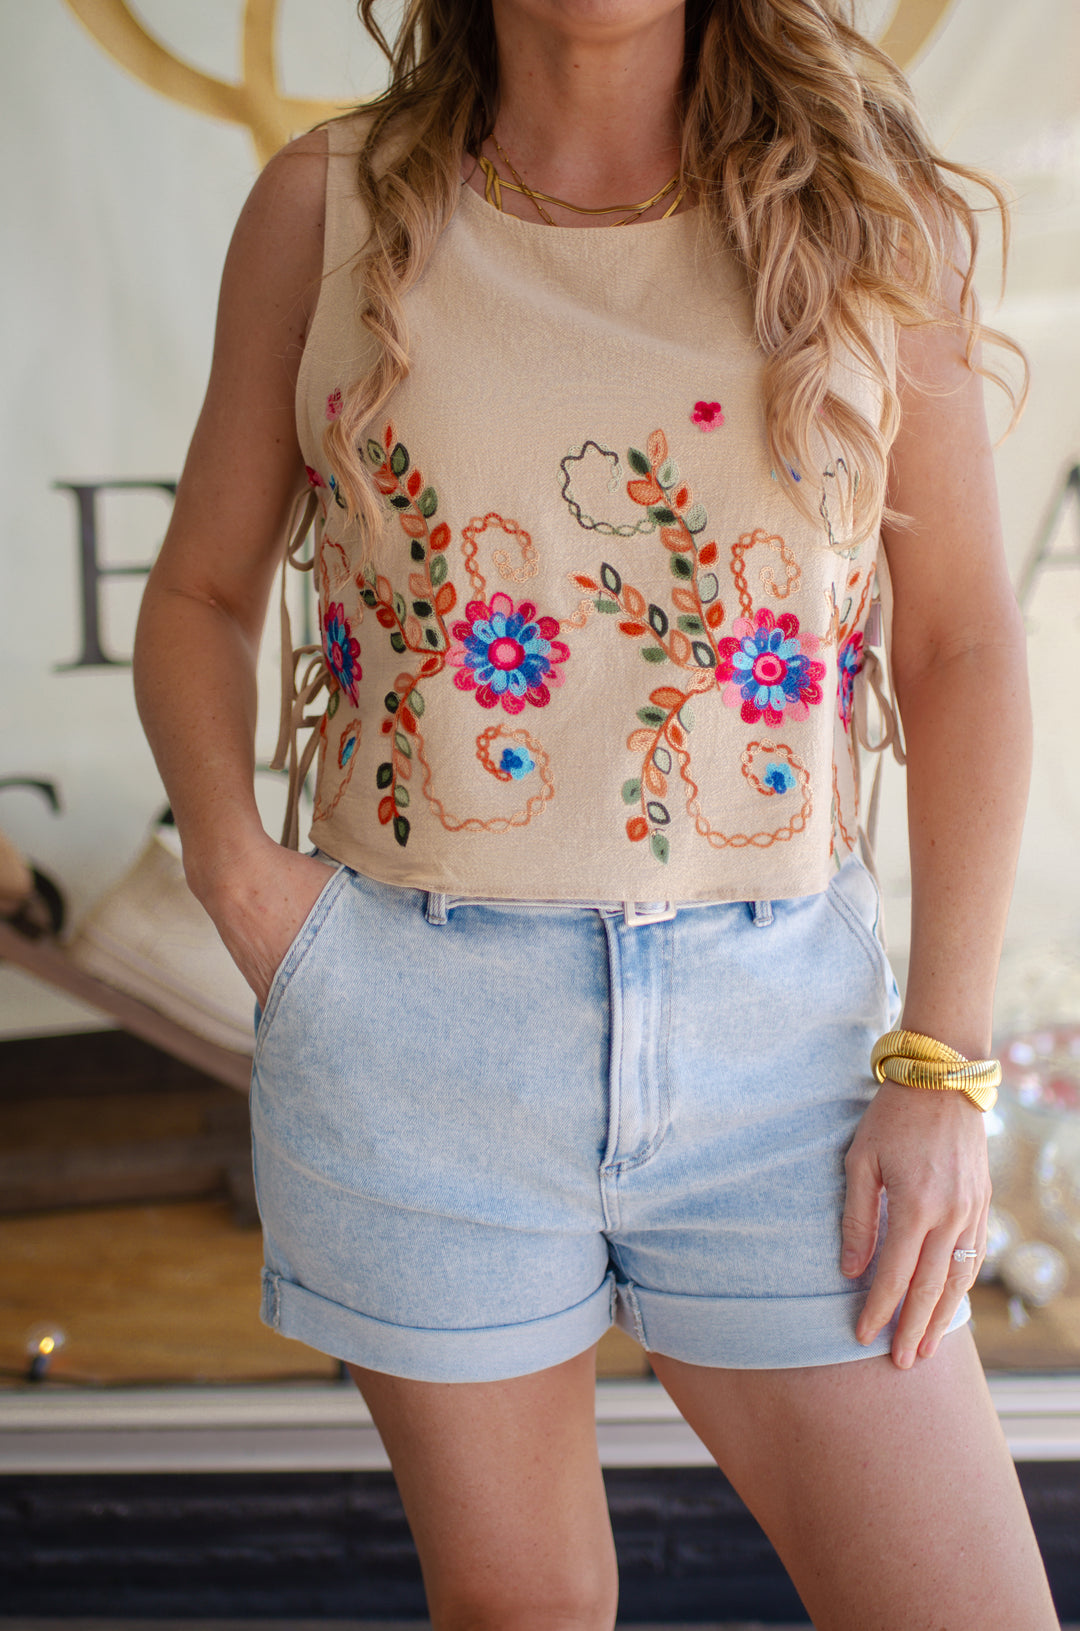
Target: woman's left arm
{"x": 959, "y": 664}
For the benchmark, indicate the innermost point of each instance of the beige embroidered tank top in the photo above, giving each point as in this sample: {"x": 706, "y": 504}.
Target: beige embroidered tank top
{"x": 595, "y": 652}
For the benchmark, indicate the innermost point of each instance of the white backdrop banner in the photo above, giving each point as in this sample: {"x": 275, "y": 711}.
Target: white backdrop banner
{"x": 134, "y": 131}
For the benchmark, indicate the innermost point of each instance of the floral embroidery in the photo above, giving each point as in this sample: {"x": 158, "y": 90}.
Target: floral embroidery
{"x": 342, "y": 651}
{"x": 779, "y": 777}
{"x": 848, "y": 662}
{"x": 505, "y": 655}
{"x": 708, "y": 415}
{"x": 516, "y": 763}
{"x": 767, "y": 670}
{"x": 333, "y": 405}
{"x": 313, "y": 476}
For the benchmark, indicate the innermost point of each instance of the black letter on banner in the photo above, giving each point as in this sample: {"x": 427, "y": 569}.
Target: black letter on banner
{"x": 85, "y": 495}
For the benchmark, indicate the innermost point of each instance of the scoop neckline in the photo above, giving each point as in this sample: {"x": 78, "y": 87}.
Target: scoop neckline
{"x": 514, "y": 222}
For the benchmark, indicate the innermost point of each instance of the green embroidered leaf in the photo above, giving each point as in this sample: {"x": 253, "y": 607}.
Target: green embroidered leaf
{"x": 681, "y": 567}
{"x": 654, "y": 654}
{"x": 662, "y": 515}
{"x": 845, "y": 610}
{"x": 631, "y": 791}
{"x": 662, "y": 759}
{"x": 658, "y": 812}
{"x": 638, "y": 462}
{"x": 428, "y": 502}
{"x": 417, "y": 550}
{"x": 391, "y": 702}
{"x": 696, "y": 518}
{"x": 397, "y": 641}
{"x": 417, "y": 703}
{"x": 439, "y": 570}
{"x": 375, "y": 453}
{"x": 402, "y": 743}
{"x": 333, "y": 705}
{"x": 399, "y": 606}
{"x": 399, "y": 501}
{"x": 429, "y": 635}
{"x": 650, "y": 715}
{"x": 703, "y": 655}
{"x": 399, "y": 459}
{"x": 685, "y": 717}
{"x": 668, "y": 473}
{"x": 368, "y": 597}
{"x": 659, "y": 846}
{"x": 401, "y": 796}
{"x": 385, "y": 774}
{"x": 422, "y": 608}
{"x": 607, "y": 606}
{"x": 659, "y": 620}
{"x": 708, "y": 587}
{"x": 691, "y": 624}
{"x": 610, "y": 579}
{"x": 339, "y": 499}
{"x": 401, "y": 830}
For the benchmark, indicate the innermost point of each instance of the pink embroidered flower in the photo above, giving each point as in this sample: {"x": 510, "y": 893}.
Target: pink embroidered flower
{"x": 313, "y": 476}
{"x": 708, "y": 415}
{"x": 342, "y": 651}
{"x": 505, "y": 655}
{"x": 333, "y": 405}
{"x": 767, "y": 669}
{"x": 849, "y": 661}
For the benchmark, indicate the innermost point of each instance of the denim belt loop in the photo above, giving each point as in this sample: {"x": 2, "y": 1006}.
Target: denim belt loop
{"x": 762, "y": 913}
{"x": 435, "y": 910}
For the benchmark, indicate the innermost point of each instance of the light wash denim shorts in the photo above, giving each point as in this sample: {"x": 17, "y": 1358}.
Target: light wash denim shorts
{"x": 485, "y": 1130}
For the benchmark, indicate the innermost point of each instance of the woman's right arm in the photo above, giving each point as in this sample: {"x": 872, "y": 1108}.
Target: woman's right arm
{"x": 205, "y": 601}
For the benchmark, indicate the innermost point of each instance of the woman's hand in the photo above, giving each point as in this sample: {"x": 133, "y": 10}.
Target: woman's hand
{"x": 260, "y": 905}
{"x": 928, "y": 1152}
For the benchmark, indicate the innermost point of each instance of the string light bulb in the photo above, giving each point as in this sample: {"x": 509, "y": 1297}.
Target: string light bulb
{"x": 43, "y": 1343}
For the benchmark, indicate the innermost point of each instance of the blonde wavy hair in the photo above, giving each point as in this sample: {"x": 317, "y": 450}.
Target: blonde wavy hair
{"x": 801, "y": 143}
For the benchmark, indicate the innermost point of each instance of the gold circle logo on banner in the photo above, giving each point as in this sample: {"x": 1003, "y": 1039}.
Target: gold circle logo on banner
{"x": 273, "y": 118}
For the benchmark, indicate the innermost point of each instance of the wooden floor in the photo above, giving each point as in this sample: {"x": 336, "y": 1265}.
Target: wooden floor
{"x": 167, "y": 1290}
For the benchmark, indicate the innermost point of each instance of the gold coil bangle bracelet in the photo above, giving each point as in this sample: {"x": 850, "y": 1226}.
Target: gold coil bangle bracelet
{"x": 920, "y": 1061}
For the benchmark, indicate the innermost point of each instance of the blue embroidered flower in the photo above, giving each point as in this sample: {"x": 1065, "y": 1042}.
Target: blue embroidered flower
{"x": 505, "y": 655}
{"x": 516, "y": 762}
{"x": 848, "y": 663}
{"x": 342, "y": 651}
{"x": 766, "y": 669}
{"x": 780, "y": 777}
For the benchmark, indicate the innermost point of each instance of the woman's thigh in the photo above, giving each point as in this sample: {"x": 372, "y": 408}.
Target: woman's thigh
{"x": 890, "y": 1495}
{"x": 502, "y": 1487}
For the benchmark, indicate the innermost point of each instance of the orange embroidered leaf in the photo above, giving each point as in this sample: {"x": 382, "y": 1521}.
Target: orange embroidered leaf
{"x": 403, "y": 683}
{"x": 708, "y": 555}
{"x": 418, "y": 585}
{"x": 408, "y": 719}
{"x": 679, "y": 647}
{"x": 414, "y": 634}
{"x": 430, "y": 665}
{"x": 657, "y": 447}
{"x": 584, "y": 582}
{"x": 440, "y": 537}
{"x": 666, "y": 697}
{"x": 388, "y": 437}
{"x": 646, "y": 491}
{"x": 674, "y": 538}
{"x": 386, "y": 618}
{"x": 654, "y": 781}
{"x": 675, "y": 735}
{"x": 402, "y": 767}
{"x": 414, "y": 484}
{"x": 387, "y": 725}
{"x": 714, "y": 616}
{"x": 385, "y": 481}
{"x": 682, "y": 498}
{"x": 684, "y": 599}
{"x": 633, "y": 600}
{"x": 854, "y": 578}
{"x": 414, "y": 526}
{"x": 637, "y": 828}
{"x": 446, "y": 599}
{"x": 639, "y": 741}
{"x": 633, "y": 629}
{"x": 383, "y": 589}
{"x": 700, "y": 679}
{"x": 386, "y": 810}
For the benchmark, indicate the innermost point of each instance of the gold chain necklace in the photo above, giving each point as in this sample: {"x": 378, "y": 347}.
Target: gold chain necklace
{"x": 494, "y": 184}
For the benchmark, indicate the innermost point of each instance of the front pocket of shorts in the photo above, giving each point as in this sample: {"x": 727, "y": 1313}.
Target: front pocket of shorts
{"x": 855, "y": 920}
{"x": 299, "y": 946}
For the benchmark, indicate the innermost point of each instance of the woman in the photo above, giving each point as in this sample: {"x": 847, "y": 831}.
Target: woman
{"x": 581, "y": 1020}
